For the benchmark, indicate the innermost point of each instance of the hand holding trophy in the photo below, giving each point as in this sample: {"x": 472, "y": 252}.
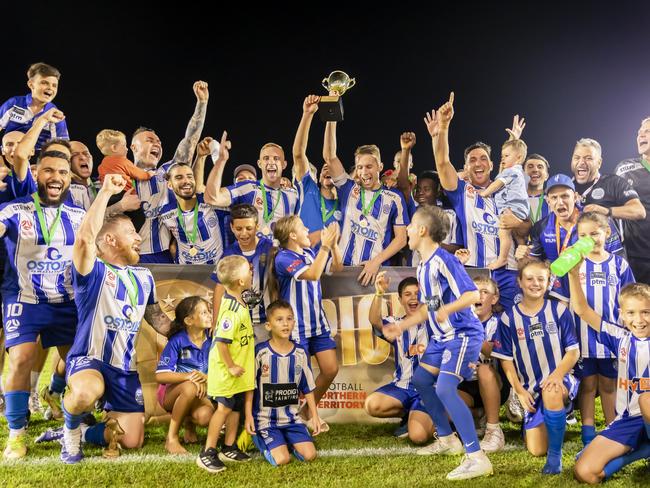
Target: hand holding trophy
{"x": 331, "y": 106}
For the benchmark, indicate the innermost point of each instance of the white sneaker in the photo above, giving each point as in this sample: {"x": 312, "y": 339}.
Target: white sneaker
{"x": 446, "y": 446}
{"x": 472, "y": 467}
{"x": 514, "y": 410}
{"x": 493, "y": 441}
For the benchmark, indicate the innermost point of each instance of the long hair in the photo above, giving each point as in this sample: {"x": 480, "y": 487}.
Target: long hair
{"x": 183, "y": 310}
{"x": 281, "y": 233}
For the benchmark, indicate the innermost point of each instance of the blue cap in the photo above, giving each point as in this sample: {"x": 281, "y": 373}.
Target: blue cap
{"x": 559, "y": 180}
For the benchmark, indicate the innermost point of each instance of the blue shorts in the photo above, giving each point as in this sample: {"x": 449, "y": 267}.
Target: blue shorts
{"x": 509, "y": 291}
{"x": 629, "y": 431}
{"x": 56, "y": 323}
{"x": 532, "y": 420}
{"x": 606, "y": 367}
{"x": 162, "y": 257}
{"x": 287, "y": 435}
{"x": 410, "y": 399}
{"x": 454, "y": 356}
{"x": 234, "y": 403}
{"x": 314, "y": 344}
{"x": 122, "y": 389}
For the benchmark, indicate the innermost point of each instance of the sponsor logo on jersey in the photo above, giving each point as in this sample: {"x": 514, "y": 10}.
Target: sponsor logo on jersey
{"x": 52, "y": 264}
{"x": 365, "y": 232}
{"x": 551, "y": 327}
{"x": 536, "y": 330}
{"x": 597, "y": 278}
{"x": 489, "y": 226}
{"x": 598, "y": 193}
{"x": 119, "y": 324}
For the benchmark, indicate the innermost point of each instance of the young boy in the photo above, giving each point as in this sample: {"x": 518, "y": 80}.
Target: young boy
{"x": 112, "y": 144}
{"x": 283, "y": 373}
{"x": 511, "y": 193}
{"x": 399, "y": 398}
{"x": 626, "y": 439}
{"x": 446, "y": 294}
{"x": 231, "y": 364}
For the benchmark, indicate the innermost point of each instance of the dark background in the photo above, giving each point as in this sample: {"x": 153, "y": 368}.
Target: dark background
{"x": 573, "y": 70}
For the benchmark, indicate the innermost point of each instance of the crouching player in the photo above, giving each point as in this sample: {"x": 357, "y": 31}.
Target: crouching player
{"x": 399, "y": 398}
{"x": 537, "y": 344}
{"x": 112, "y": 297}
{"x": 283, "y": 372}
{"x": 627, "y": 438}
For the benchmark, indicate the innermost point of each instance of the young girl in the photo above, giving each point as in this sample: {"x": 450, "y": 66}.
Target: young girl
{"x": 627, "y": 439}
{"x": 602, "y": 276}
{"x": 295, "y": 274}
{"x": 538, "y": 347}
{"x": 182, "y": 372}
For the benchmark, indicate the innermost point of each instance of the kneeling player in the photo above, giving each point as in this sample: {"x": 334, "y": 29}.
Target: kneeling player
{"x": 283, "y": 372}
{"x": 537, "y": 344}
{"x": 399, "y": 398}
{"x": 627, "y": 438}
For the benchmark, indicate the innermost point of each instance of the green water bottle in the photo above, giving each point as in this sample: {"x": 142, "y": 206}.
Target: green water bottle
{"x": 572, "y": 256}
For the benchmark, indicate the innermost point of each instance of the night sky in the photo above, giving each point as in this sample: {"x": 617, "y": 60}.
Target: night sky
{"x": 576, "y": 70}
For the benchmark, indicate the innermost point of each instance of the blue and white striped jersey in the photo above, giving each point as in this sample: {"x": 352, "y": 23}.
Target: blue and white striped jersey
{"x": 37, "y": 272}
{"x": 82, "y": 196}
{"x": 442, "y": 281}
{"x": 407, "y": 349}
{"x": 365, "y": 236}
{"x": 280, "y": 379}
{"x": 455, "y": 235}
{"x": 154, "y": 195}
{"x": 479, "y": 224}
{"x": 108, "y": 323}
{"x": 208, "y": 246}
{"x": 633, "y": 367}
{"x": 601, "y": 284}
{"x": 304, "y": 296}
{"x": 536, "y": 344}
{"x": 279, "y": 202}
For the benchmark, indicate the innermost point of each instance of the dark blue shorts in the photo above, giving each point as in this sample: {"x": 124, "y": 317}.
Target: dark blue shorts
{"x": 323, "y": 342}
{"x": 163, "y": 257}
{"x": 606, "y": 367}
{"x": 56, "y": 323}
{"x": 454, "y": 356}
{"x": 122, "y": 389}
{"x": 287, "y": 435}
{"x": 509, "y": 291}
{"x": 410, "y": 399}
{"x": 629, "y": 431}
{"x": 532, "y": 420}
{"x": 234, "y": 403}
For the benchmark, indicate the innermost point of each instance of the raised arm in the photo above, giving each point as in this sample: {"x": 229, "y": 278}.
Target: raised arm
{"x": 329, "y": 151}
{"x": 25, "y": 148}
{"x": 493, "y": 187}
{"x": 214, "y": 193}
{"x": 84, "y": 250}
{"x": 579, "y": 300}
{"x": 406, "y": 141}
{"x": 374, "y": 314}
{"x": 438, "y": 126}
{"x": 300, "y": 161}
{"x": 329, "y": 238}
{"x": 202, "y": 152}
{"x": 185, "y": 149}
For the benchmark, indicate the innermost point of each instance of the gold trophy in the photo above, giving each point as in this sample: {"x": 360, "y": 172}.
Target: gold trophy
{"x": 331, "y": 106}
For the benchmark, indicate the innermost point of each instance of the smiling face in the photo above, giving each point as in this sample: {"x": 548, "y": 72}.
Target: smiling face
{"x": 367, "y": 171}
{"x": 643, "y": 138}
{"x": 537, "y": 172}
{"x": 272, "y": 164}
{"x": 534, "y": 280}
{"x": 479, "y": 166}
{"x": 53, "y": 180}
{"x": 409, "y": 299}
{"x": 9, "y": 142}
{"x": 201, "y": 316}
{"x": 325, "y": 178}
{"x": 562, "y": 202}
{"x": 147, "y": 149}
{"x": 44, "y": 88}
{"x": 127, "y": 241}
{"x": 588, "y": 228}
{"x": 281, "y": 323}
{"x": 489, "y": 298}
{"x": 244, "y": 230}
{"x": 585, "y": 163}
{"x": 426, "y": 191}
{"x": 300, "y": 234}
{"x": 181, "y": 181}
{"x": 81, "y": 161}
{"x": 635, "y": 315}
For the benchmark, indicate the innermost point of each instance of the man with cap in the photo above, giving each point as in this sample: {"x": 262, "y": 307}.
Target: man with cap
{"x": 244, "y": 172}
{"x": 558, "y": 230}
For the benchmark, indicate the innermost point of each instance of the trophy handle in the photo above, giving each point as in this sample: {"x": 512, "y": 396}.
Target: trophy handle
{"x": 352, "y": 83}
{"x": 325, "y": 84}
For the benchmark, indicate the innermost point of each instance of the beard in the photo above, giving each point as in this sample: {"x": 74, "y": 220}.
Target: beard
{"x": 50, "y": 202}
{"x": 127, "y": 252}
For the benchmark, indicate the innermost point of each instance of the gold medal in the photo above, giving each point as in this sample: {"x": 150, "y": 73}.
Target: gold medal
{"x": 266, "y": 231}
{"x": 193, "y": 251}
{"x": 363, "y": 222}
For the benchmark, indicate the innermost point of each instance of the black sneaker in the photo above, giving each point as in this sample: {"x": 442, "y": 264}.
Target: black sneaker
{"x": 233, "y": 455}
{"x": 209, "y": 461}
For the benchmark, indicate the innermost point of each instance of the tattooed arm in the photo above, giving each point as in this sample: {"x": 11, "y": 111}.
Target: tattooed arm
{"x": 185, "y": 149}
{"x": 154, "y": 315}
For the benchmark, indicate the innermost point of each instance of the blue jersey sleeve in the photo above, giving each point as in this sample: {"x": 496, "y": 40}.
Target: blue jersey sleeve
{"x": 62, "y": 130}
{"x": 567, "y": 326}
{"x": 81, "y": 282}
{"x": 242, "y": 192}
{"x": 309, "y": 200}
{"x": 400, "y": 215}
{"x": 169, "y": 356}
{"x": 610, "y": 335}
{"x": 613, "y": 243}
{"x": 456, "y": 275}
{"x": 344, "y": 186}
{"x": 503, "y": 339}
{"x": 25, "y": 187}
{"x": 289, "y": 265}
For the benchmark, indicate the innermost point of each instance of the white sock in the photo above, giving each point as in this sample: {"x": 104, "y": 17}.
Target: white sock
{"x": 84, "y": 428}
{"x": 16, "y": 432}
{"x": 489, "y": 426}
{"x": 34, "y": 376}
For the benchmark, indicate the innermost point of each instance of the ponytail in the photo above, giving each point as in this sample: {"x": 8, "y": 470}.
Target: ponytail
{"x": 281, "y": 233}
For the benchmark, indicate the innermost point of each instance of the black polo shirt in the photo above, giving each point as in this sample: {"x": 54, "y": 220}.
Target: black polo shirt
{"x": 609, "y": 191}
{"x": 637, "y": 232}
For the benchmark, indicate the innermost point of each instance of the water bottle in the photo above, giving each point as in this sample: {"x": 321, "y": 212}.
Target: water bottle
{"x": 572, "y": 256}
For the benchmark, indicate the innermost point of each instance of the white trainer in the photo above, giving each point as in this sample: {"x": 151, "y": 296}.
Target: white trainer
{"x": 446, "y": 446}
{"x": 493, "y": 440}
{"x": 472, "y": 467}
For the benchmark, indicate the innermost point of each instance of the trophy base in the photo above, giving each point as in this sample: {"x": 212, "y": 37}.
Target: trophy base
{"x": 330, "y": 109}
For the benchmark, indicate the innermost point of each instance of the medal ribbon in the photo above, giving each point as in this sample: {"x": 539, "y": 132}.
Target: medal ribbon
{"x": 48, "y": 233}
{"x": 366, "y": 210}
{"x": 268, "y": 216}
{"x": 567, "y": 238}
{"x": 195, "y": 218}
{"x": 323, "y": 209}
{"x": 131, "y": 292}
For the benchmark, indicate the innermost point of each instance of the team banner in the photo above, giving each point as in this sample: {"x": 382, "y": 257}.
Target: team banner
{"x": 365, "y": 361}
